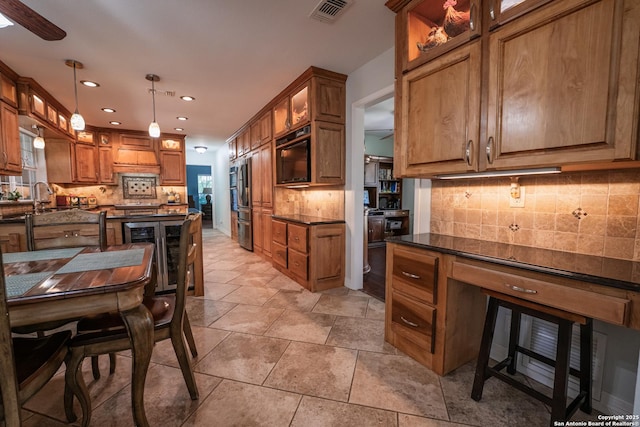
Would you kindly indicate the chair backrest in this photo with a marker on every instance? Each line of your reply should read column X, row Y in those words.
column 9, row 378
column 66, row 229
column 186, row 260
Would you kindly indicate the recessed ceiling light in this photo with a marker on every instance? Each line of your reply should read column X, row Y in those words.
column 182, row 118
column 89, row 83
column 179, row 129
column 115, row 123
column 187, row 98
column 108, row 110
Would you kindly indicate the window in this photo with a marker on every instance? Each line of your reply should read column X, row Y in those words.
column 204, row 188
column 22, row 183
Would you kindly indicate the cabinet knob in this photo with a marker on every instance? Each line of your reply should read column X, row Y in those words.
column 468, row 151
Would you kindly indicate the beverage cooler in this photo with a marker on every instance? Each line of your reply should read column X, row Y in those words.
column 166, row 236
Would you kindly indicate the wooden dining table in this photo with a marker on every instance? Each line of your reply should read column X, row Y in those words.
column 70, row 283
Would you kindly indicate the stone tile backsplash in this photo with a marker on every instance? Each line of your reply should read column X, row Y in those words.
column 593, row 213
column 324, row 202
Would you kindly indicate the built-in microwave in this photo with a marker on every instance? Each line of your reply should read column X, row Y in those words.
column 293, row 162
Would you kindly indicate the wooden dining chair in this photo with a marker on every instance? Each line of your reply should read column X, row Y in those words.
column 66, row 229
column 107, row 334
column 63, row 229
column 26, row 364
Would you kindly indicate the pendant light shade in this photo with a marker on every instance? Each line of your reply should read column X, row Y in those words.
column 38, row 141
column 77, row 121
column 154, row 127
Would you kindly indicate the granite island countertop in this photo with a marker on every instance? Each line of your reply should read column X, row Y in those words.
column 617, row 273
column 308, row 219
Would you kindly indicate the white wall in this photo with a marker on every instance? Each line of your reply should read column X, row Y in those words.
column 365, row 86
column 219, row 162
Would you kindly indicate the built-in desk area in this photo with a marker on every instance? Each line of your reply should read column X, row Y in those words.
column 435, row 307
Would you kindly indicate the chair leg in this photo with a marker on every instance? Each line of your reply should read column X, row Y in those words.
column 485, row 349
column 514, row 340
column 95, row 367
column 179, row 347
column 561, row 377
column 75, row 386
column 188, row 333
column 112, row 363
column 586, row 361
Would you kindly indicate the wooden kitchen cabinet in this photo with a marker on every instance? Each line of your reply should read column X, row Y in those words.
column 244, row 142
column 233, row 153
column 11, row 160
column 555, row 79
column 375, row 229
column 172, row 168
column 260, row 130
column 262, row 199
column 436, row 321
column 106, row 173
column 312, row 255
column 86, row 163
column 292, row 111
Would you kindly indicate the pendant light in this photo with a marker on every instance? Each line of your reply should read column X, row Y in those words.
column 38, row 141
column 77, row 121
column 154, row 128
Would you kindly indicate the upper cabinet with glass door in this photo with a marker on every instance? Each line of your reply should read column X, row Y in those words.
column 433, row 27
column 291, row 111
column 501, row 11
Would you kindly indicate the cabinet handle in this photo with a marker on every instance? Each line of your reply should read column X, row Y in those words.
column 492, row 11
column 472, row 17
column 413, row 276
column 489, row 150
column 519, row 289
column 415, row 325
column 468, row 152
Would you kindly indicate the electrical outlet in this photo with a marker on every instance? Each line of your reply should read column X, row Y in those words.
column 519, row 202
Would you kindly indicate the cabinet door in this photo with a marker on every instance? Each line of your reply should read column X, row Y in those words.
column 440, row 115
column 375, row 229
column 258, row 234
column 10, row 139
column 279, row 232
column 281, row 122
column 105, row 167
column 266, row 170
column 328, row 153
column 139, row 142
column 86, row 167
column 256, row 178
column 329, row 104
column 267, row 236
column 255, row 135
column 502, row 11
column 265, row 128
column 299, row 104
column 555, row 82
column 172, row 168
column 233, row 149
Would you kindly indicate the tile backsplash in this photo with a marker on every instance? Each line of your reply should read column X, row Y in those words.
column 593, row 213
column 324, row 202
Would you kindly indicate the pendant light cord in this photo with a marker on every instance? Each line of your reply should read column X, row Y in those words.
column 153, row 97
column 75, row 85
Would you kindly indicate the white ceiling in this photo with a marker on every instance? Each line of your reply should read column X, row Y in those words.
column 233, row 56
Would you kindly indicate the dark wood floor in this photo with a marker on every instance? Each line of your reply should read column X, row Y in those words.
column 373, row 281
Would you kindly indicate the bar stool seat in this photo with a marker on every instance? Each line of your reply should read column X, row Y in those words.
column 560, row 411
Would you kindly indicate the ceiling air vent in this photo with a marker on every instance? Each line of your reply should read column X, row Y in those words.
column 329, row 10
column 170, row 93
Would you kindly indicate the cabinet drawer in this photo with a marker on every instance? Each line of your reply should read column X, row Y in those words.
column 581, row 301
column 279, row 254
column 415, row 274
column 414, row 321
column 298, row 264
column 297, row 238
column 279, row 232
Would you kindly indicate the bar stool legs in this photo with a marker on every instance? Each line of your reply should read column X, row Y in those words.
column 558, row 402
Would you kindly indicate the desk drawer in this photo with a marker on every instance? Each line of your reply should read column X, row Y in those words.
column 297, row 238
column 414, row 321
column 581, row 301
column 415, row 274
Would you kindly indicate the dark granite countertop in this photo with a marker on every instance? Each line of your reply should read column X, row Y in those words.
column 308, row 219
column 612, row 272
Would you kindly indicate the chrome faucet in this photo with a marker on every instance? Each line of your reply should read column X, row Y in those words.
column 41, row 192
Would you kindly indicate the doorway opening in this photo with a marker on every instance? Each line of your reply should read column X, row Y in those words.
column 200, row 192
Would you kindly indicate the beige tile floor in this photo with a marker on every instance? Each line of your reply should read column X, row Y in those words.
column 273, row 354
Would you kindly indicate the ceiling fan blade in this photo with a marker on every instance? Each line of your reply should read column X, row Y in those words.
column 31, row 20
column 387, row 136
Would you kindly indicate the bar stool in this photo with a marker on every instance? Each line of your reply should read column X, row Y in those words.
column 558, row 402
